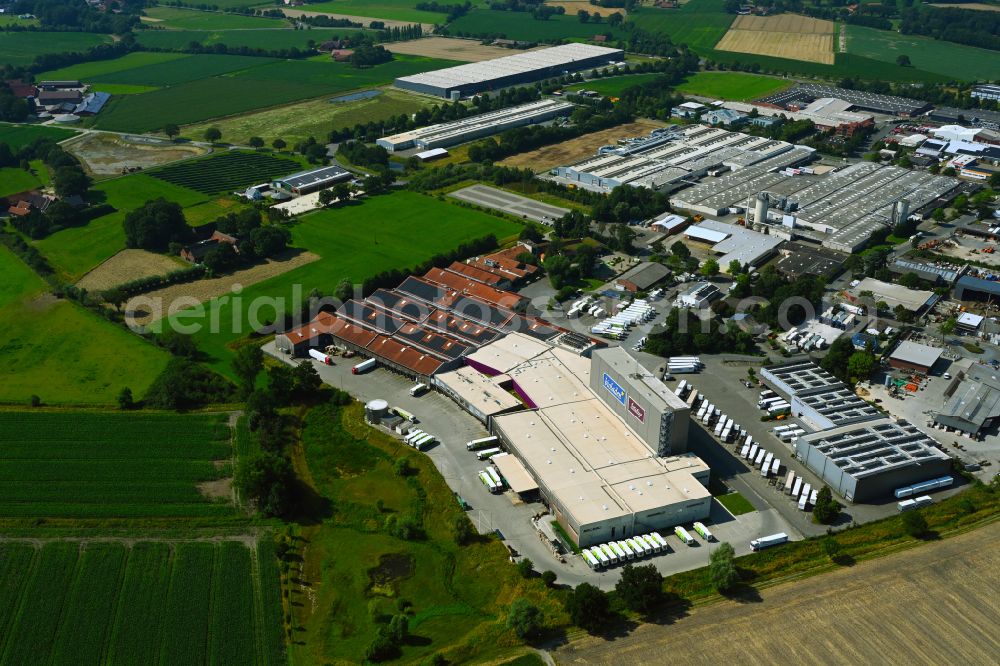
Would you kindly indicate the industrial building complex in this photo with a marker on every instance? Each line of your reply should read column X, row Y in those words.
column 473, row 78
column 473, row 127
column 840, row 209
column 860, row 453
column 673, row 157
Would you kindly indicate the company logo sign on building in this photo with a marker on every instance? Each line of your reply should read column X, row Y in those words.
column 635, row 410
column 614, row 389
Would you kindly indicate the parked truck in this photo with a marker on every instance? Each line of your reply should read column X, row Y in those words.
column 320, row 356
column 768, row 541
column 683, row 535
column 364, row 367
column 703, row 531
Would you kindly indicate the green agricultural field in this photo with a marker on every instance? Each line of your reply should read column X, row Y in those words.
column 731, row 85
column 87, row 71
column 394, row 10
column 519, row 25
column 614, row 85
column 457, row 611
column 87, row 464
column 18, row 136
column 955, row 61
column 846, row 65
column 146, row 603
column 173, row 70
column 59, row 351
column 699, row 23
column 14, row 20
column 176, row 18
column 270, row 85
column 271, row 40
column 21, row 48
column 315, row 118
column 397, row 230
column 225, row 172
column 74, row 251
column 14, row 180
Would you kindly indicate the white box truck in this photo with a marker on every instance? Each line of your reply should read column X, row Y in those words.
column 768, row 541
column 418, row 390
column 482, row 443
column 320, row 356
column 703, row 531
column 660, row 540
column 486, row 454
column 684, row 536
column 591, row 561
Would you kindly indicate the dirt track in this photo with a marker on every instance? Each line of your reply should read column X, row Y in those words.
column 934, row 604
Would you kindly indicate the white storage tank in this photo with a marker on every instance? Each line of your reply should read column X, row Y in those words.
column 375, row 410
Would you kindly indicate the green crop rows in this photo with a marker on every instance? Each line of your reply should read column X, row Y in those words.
column 90, row 607
column 232, row 606
column 136, row 639
column 188, row 605
column 151, row 603
column 36, row 625
column 226, row 172
column 84, row 465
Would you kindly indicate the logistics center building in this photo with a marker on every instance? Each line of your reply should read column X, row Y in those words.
column 473, row 127
column 473, row 78
column 595, row 466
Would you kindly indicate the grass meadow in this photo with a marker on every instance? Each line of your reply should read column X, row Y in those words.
column 699, row 23
column 88, row 71
column 201, row 92
column 360, row 572
column 15, row 179
column 614, row 85
column 357, row 241
column 393, row 10
column 296, row 122
column 519, row 25
column 60, row 352
column 20, row 49
column 269, row 39
column 731, row 85
column 76, row 250
column 18, row 136
column 955, row 61
column 136, row 604
column 177, row 18
column 90, row 464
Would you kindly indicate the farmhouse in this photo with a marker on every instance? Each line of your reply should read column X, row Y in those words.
column 195, row 253
column 473, row 78
column 313, row 180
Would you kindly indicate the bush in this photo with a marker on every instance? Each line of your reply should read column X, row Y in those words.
column 722, row 568
column 524, row 618
column 915, row 524
column 588, row 607
column 549, row 578
column 640, row 587
column 525, row 567
column 827, row 509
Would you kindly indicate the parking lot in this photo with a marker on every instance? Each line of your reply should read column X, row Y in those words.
column 513, row 204
column 441, row 417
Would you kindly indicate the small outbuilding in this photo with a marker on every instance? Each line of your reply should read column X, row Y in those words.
column 915, row 357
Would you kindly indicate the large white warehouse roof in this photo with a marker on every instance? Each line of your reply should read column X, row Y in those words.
column 477, row 72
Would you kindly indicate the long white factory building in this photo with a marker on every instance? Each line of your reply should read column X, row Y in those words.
column 443, row 135
column 672, row 157
column 605, row 452
column 528, row 67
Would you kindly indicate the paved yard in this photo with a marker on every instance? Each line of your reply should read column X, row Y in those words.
column 513, row 204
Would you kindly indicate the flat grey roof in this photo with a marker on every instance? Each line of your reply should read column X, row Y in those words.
column 800, row 378
column 314, row 176
column 874, row 447
column 522, row 63
column 916, row 353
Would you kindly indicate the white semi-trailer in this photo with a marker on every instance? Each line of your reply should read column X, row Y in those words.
column 768, row 541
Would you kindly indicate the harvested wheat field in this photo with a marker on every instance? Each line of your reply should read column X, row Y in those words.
column 126, row 266
column 933, row 604
column 576, row 149
column 784, row 36
column 108, row 154
column 142, row 313
column 573, row 6
column 448, row 48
